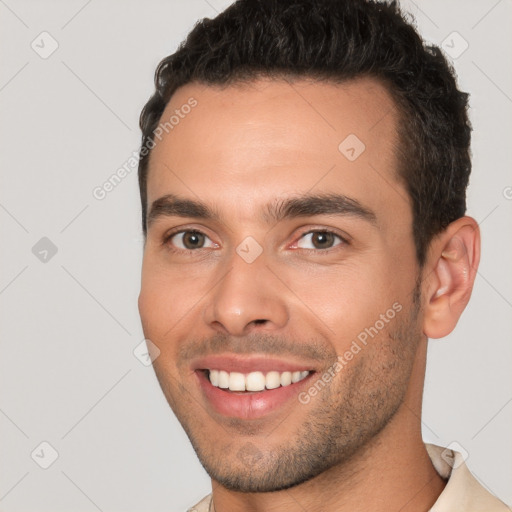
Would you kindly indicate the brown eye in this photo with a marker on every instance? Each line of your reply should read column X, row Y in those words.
column 193, row 240
column 319, row 240
column 190, row 240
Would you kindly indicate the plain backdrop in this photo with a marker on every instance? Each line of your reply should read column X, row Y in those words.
column 70, row 268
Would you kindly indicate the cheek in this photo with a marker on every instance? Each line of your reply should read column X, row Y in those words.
column 168, row 299
column 148, row 311
column 346, row 300
column 157, row 300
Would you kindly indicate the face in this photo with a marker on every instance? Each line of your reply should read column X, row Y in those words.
column 279, row 275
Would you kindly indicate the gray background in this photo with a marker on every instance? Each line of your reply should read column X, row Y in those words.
column 69, row 324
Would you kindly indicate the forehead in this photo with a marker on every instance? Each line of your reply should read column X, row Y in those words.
column 271, row 138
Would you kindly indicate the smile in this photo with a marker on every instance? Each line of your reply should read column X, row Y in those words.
column 251, row 387
column 254, row 381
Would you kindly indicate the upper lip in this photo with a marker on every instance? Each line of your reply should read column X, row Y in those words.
column 246, row 364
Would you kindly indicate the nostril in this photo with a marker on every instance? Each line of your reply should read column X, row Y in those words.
column 259, row 321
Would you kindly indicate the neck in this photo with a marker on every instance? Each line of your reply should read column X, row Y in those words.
column 392, row 472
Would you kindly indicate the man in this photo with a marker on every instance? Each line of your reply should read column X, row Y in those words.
column 303, row 173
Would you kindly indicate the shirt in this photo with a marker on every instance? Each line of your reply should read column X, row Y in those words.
column 462, row 493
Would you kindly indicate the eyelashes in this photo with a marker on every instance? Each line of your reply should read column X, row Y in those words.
column 189, row 241
column 324, row 235
column 195, row 236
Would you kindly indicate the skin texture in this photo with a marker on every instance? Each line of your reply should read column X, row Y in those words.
column 356, row 445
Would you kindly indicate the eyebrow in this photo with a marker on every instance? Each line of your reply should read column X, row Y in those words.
column 171, row 205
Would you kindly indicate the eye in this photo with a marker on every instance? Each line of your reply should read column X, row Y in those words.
column 319, row 240
column 189, row 240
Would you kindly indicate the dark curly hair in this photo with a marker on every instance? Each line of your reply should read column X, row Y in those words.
column 338, row 40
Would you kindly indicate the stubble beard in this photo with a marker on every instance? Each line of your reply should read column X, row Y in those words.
column 334, row 428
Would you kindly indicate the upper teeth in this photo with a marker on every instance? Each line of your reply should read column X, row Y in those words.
column 254, row 381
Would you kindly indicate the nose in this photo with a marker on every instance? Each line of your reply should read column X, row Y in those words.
column 248, row 297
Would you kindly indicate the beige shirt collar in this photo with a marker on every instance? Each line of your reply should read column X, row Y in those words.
column 463, row 493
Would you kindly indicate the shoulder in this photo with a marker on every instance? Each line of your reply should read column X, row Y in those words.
column 463, row 492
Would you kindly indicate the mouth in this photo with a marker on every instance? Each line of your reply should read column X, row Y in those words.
column 254, row 381
column 250, row 389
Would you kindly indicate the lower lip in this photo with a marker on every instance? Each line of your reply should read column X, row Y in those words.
column 250, row 404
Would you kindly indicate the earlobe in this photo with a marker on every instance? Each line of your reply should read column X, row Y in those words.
column 454, row 257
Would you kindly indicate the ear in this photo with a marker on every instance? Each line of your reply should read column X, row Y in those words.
column 453, row 262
